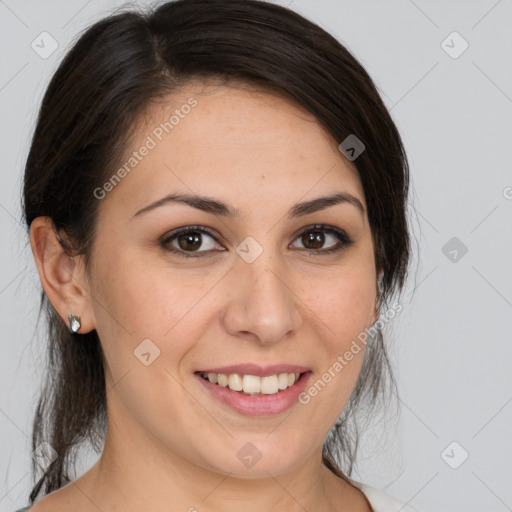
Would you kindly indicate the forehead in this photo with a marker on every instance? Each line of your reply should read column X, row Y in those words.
column 240, row 144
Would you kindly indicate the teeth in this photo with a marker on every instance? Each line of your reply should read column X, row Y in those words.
column 222, row 380
column 252, row 384
column 269, row 385
column 235, row 382
column 283, row 381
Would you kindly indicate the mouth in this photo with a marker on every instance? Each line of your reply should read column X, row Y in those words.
column 252, row 390
column 253, row 385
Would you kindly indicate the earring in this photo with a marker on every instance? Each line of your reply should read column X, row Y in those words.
column 74, row 323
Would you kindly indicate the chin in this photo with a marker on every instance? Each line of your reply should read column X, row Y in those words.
column 258, row 458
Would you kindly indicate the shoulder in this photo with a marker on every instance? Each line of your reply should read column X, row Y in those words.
column 47, row 503
column 380, row 500
column 67, row 497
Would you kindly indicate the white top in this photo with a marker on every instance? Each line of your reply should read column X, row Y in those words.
column 381, row 501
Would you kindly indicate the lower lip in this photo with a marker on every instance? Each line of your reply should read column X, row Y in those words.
column 269, row 405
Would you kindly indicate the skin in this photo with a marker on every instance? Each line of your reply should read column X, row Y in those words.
column 170, row 445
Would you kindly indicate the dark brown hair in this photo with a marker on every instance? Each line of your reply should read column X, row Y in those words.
column 115, row 70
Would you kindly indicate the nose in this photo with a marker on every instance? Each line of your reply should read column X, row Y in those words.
column 262, row 305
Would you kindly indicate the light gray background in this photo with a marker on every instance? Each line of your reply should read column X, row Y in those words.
column 452, row 343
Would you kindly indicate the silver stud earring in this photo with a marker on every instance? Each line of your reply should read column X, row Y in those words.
column 74, row 323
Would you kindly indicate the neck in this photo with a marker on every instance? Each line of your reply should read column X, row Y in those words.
column 135, row 475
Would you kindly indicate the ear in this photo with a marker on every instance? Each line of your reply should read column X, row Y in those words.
column 62, row 276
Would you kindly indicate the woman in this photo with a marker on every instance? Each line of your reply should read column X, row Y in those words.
column 216, row 201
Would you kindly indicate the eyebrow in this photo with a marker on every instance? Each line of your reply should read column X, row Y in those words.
column 209, row 205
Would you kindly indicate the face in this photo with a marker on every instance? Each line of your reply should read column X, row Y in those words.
column 219, row 276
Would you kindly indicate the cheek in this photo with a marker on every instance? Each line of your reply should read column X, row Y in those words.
column 346, row 311
column 138, row 300
column 134, row 294
column 346, row 305
column 345, row 308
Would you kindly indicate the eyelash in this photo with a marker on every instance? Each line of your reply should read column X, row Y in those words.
column 344, row 240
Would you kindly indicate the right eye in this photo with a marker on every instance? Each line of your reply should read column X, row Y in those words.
column 188, row 240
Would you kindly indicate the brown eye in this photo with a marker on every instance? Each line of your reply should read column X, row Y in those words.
column 316, row 237
column 189, row 241
column 313, row 240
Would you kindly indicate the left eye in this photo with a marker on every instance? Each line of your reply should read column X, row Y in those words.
column 190, row 240
column 316, row 238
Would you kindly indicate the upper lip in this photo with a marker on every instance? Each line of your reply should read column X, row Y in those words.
column 259, row 371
